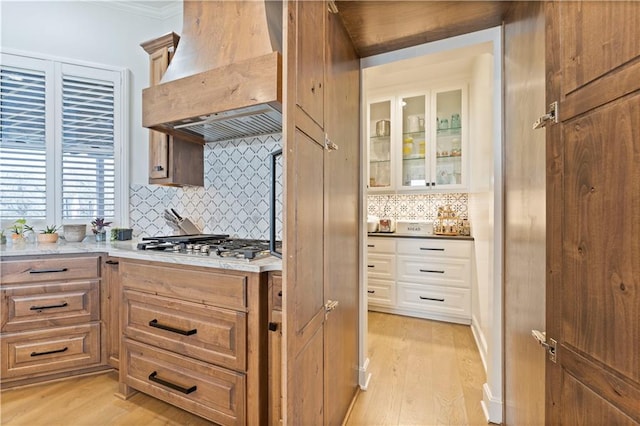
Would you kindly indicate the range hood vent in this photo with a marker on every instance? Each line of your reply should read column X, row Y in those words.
column 225, row 78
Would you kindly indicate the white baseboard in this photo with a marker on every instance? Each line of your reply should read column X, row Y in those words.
column 364, row 376
column 491, row 406
column 481, row 341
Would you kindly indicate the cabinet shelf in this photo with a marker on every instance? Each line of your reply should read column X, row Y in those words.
column 379, row 161
column 419, row 133
column 380, row 138
column 451, row 131
column 413, row 158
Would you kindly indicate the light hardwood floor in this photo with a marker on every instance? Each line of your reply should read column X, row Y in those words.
column 422, row 373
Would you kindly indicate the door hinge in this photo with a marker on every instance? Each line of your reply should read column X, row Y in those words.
column 330, row 306
column 550, row 117
column 550, row 346
column 328, row 144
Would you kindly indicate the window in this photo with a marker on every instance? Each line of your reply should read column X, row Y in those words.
column 61, row 141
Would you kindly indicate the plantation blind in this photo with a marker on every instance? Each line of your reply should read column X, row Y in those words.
column 88, row 169
column 23, row 132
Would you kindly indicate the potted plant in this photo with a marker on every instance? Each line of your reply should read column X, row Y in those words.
column 20, row 229
column 3, row 238
column 98, row 227
column 121, row 234
column 48, row 234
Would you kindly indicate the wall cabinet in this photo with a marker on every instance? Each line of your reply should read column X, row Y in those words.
column 417, row 141
column 172, row 161
column 195, row 338
column 426, row 278
column 51, row 322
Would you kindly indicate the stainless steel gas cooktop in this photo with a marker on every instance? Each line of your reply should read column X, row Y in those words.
column 217, row 245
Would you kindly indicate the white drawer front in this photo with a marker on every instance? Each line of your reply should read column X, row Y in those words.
column 435, row 299
column 435, row 248
column 381, row 245
column 382, row 266
column 381, row 292
column 450, row 272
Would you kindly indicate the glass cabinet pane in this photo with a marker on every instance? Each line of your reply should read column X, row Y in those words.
column 449, row 138
column 414, row 143
column 380, row 145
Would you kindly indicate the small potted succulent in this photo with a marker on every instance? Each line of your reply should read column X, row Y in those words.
column 48, row 235
column 121, row 234
column 20, row 229
column 98, row 227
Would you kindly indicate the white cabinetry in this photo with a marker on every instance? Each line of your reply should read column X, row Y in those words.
column 417, row 141
column 431, row 279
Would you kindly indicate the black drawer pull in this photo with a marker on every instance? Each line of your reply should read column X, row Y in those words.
column 431, row 298
column 431, row 249
column 434, row 271
column 371, row 245
column 280, row 293
column 47, row 271
column 154, row 378
column 112, row 262
column 154, row 323
column 56, row 351
column 371, row 291
column 39, row 308
column 273, row 326
column 371, row 266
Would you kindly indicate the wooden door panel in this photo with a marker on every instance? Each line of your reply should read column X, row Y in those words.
column 599, row 38
column 601, row 246
column 310, row 60
column 591, row 409
column 306, row 389
column 593, row 213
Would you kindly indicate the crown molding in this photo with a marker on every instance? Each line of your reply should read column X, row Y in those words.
column 148, row 8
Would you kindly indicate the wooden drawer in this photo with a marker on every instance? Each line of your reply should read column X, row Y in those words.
column 214, row 393
column 434, row 299
column 204, row 332
column 435, row 248
column 381, row 266
column 448, row 272
column 35, row 353
column 30, row 306
column 381, row 245
column 381, row 293
column 224, row 289
column 49, row 269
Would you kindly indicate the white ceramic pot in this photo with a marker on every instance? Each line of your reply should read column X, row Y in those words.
column 74, row 233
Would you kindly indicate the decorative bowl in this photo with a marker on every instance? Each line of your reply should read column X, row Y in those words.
column 74, row 233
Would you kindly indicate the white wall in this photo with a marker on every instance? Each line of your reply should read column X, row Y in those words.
column 91, row 32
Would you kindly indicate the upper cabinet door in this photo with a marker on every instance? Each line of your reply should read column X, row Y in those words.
column 310, row 47
column 414, row 163
column 381, row 155
column 449, row 135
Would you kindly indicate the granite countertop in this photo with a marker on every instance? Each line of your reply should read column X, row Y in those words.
column 430, row 236
column 127, row 249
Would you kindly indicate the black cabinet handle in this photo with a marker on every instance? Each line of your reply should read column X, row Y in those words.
column 371, row 266
column 154, row 323
column 280, row 293
column 371, row 245
column 431, row 298
column 158, row 168
column 431, row 249
column 371, row 291
column 39, row 308
column 56, row 351
column 154, row 378
column 273, row 326
column 47, row 271
column 433, row 271
column 112, row 262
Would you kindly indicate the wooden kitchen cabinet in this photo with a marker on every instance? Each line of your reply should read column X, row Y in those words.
column 172, row 161
column 420, row 277
column 51, row 322
column 110, row 301
column 275, row 348
column 196, row 338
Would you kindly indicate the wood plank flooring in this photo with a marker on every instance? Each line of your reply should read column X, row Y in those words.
column 423, row 373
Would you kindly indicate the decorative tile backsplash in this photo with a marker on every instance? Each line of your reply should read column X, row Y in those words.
column 234, row 200
column 416, row 206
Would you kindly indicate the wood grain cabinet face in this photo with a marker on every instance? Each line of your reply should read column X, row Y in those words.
column 51, row 318
column 172, row 161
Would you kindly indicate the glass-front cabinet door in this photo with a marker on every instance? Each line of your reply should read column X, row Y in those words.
column 380, row 154
column 449, row 147
column 414, row 164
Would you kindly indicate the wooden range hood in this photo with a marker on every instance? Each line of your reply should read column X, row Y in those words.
column 225, row 78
